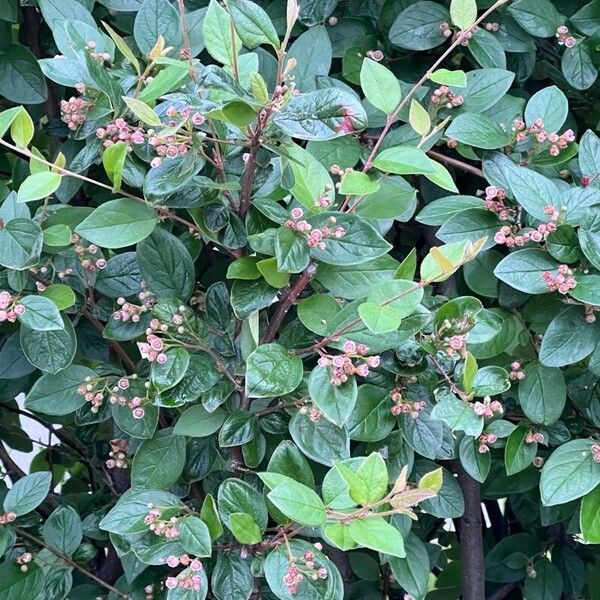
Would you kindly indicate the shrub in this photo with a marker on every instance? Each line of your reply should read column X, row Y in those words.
column 293, row 288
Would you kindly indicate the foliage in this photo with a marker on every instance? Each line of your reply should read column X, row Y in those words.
column 275, row 273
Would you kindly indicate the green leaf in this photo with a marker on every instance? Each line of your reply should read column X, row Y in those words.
column 475, row 463
column 359, row 184
column 49, row 351
column 377, row 534
column 336, row 402
column 21, row 78
column 568, row 339
column 538, row 17
column 7, row 117
column 490, row 381
column 589, row 236
column 299, row 503
column 458, row 415
column 380, row 86
column 412, row 572
column 195, row 536
column 244, row 529
column 321, row 115
column 118, row 223
column 21, row 128
column 57, row 235
column 479, row 131
column 463, row 13
column 547, row 583
column 312, row 52
column 445, row 77
column 156, row 18
column 217, row 27
column 524, row 269
column 63, row 530
column 21, row 243
column 56, row 394
column 550, row 105
column 28, row 493
column 113, row 159
column 168, row 79
column 271, row 371
column 404, row 160
column 41, row 314
column 38, row 186
column 369, row 483
column 252, row 24
column 417, row 27
column 166, row 265
column 62, row 295
column 589, row 517
column 170, row 373
column 543, row 393
column 569, row 473
column 196, row 421
column 518, row 454
column 158, row 462
column 419, row 118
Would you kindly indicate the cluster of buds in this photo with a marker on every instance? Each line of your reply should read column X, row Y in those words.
column 590, row 313
column 163, row 528
column 149, row 592
column 133, row 312
column 23, row 560
column 301, row 568
column 516, row 373
column 64, row 273
column 93, row 390
column 376, row 55
column 314, row 414
column 537, row 132
column 491, row 26
column 315, row 238
column 564, row 38
column 455, row 343
column 563, row 282
column 405, row 407
column 152, row 349
column 443, row 97
column 484, row 440
column 8, row 517
column 120, row 131
column 135, row 403
column 534, row 437
column 117, row 454
column 170, row 146
column 596, row 452
column 193, row 563
column 342, row 365
column 488, row 408
column 445, row 29
column 99, row 56
column 186, row 580
column 88, row 255
column 10, row 309
column 74, row 111
column 494, row 201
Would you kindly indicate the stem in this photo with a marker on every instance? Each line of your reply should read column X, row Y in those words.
column 392, row 117
column 458, row 164
column 451, row 383
column 71, row 563
column 471, row 539
column 186, row 37
column 284, row 306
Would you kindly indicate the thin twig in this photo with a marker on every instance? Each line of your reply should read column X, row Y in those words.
column 458, row 164
column 71, row 563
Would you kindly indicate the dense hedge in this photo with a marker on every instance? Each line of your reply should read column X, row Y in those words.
column 296, row 291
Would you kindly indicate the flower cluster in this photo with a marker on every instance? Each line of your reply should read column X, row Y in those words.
column 99, row 56
column 93, row 390
column 23, row 560
column 484, row 440
column 516, row 373
column 74, row 111
column 117, row 454
column 534, row 436
column 590, row 313
column 133, row 311
column 135, row 404
column 491, row 26
column 187, row 579
column 10, row 309
column 376, row 55
column 596, row 452
column 488, row 408
column 301, row 568
column 564, row 38
column 342, row 365
column 173, row 145
column 562, row 282
column 445, row 29
column 120, row 131
column 88, row 255
column 537, row 132
column 8, row 517
column 444, row 97
column 163, row 528
column 314, row 414
column 406, row 407
column 152, row 349
column 315, row 238
column 494, row 202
